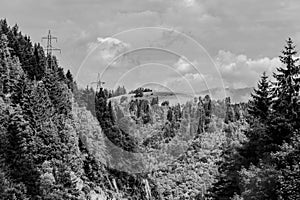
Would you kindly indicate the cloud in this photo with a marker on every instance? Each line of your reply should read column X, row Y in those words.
column 108, row 48
column 189, row 83
column 194, row 77
column 241, row 71
column 183, row 66
column 189, row 3
column 259, row 30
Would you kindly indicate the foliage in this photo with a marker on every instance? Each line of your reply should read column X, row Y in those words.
column 52, row 147
column 260, row 104
column 165, row 103
column 266, row 166
column 119, row 91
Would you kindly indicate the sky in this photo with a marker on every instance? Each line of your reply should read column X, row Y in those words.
column 183, row 45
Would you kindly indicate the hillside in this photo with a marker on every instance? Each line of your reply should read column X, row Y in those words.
column 180, row 152
column 58, row 141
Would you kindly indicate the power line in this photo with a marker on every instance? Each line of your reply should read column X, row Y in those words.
column 49, row 47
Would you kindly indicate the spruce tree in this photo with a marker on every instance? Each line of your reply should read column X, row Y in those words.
column 4, row 28
column 38, row 63
column 201, row 123
column 287, row 79
column 70, row 80
column 208, row 110
column 261, row 101
column 57, row 90
column 170, row 114
column 229, row 117
column 285, row 118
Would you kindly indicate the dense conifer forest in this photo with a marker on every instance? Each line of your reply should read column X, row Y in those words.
column 57, row 141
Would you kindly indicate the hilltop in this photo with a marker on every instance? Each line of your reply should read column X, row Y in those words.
column 236, row 95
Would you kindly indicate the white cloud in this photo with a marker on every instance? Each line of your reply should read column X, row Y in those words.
column 183, row 66
column 108, row 48
column 215, row 24
column 109, row 40
column 241, row 71
column 189, row 3
column 194, row 77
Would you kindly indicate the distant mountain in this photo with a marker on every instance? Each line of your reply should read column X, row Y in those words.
column 236, row 95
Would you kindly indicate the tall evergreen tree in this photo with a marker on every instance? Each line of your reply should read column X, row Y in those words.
column 208, row 110
column 57, row 90
column 229, row 117
column 4, row 28
column 70, row 80
column 38, row 63
column 201, row 123
column 259, row 106
column 285, row 117
column 20, row 154
column 287, row 80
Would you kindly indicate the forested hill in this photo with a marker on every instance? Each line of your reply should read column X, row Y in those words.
column 58, row 141
column 50, row 148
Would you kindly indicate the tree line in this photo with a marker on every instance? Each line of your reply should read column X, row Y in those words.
column 266, row 165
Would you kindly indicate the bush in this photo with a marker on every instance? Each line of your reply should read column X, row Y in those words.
column 165, row 103
column 138, row 93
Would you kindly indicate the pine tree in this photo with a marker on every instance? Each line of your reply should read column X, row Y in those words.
column 229, row 117
column 70, row 80
column 12, row 77
column 38, row 63
column 119, row 91
column 20, row 154
column 170, row 115
column 285, row 117
column 208, row 110
column 4, row 28
column 4, row 56
column 201, row 123
column 101, row 108
column 57, row 90
column 259, row 106
column 177, row 112
column 287, row 81
column 36, row 104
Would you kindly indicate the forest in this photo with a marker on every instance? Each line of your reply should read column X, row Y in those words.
column 60, row 141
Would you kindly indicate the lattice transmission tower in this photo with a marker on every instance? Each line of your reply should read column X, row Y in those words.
column 49, row 49
column 99, row 83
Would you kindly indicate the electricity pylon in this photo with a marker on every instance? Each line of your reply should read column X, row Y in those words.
column 49, row 47
column 98, row 82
